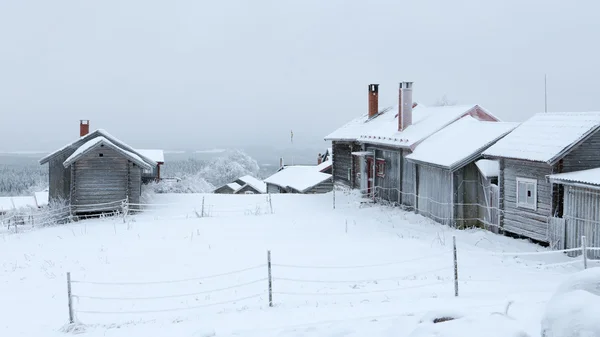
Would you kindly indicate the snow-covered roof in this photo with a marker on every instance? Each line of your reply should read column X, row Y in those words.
column 91, row 135
column 41, row 198
column 155, row 155
column 100, row 140
column 590, row 177
column 258, row 185
column 546, row 137
column 234, row 186
column 459, row 143
column 324, row 165
column 300, row 178
column 488, row 168
column 383, row 128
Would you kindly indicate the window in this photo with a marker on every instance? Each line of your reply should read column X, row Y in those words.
column 100, row 154
column 527, row 193
column 380, row 168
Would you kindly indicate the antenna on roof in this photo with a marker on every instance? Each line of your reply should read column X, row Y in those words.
column 545, row 95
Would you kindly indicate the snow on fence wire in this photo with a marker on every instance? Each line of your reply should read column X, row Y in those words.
column 31, row 218
column 277, row 283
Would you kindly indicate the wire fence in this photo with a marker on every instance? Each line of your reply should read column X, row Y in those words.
column 449, row 273
column 19, row 220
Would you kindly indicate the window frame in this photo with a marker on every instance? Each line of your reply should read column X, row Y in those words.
column 528, row 182
column 380, row 167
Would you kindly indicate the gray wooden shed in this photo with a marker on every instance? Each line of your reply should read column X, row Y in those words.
column 546, row 144
column 449, row 184
column 95, row 173
column 581, row 215
column 299, row 179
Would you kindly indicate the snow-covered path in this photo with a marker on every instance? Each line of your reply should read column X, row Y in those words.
column 352, row 271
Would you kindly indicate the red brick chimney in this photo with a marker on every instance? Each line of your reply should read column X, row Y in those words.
column 84, row 127
column 319, row 159
column 405, row 105
column 373, row 99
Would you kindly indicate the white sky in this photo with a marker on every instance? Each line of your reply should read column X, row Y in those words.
column 200, row 74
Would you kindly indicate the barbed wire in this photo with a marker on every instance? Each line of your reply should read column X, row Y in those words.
column 363, row 280
column 171, row 296
column 170, row 309
column 360, row 292
column 173, row 281
column 359, row 266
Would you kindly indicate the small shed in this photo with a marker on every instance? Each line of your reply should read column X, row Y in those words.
column 448, row 183
column 299, row 179
column 96, row 172
column 581, row 213
column 546, row 144
column 157, row 156
column 250, row 185
column 230, row 188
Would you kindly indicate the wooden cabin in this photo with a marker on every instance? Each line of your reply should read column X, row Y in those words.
column 157, row 156
column 250, row 185
column 449, row 186
column 370, row 152
column 299, row 179
column 96, row 172
column 229, row 188
column 546, row 144
column 581, row 214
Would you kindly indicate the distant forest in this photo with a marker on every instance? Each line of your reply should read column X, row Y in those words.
column 22, row 179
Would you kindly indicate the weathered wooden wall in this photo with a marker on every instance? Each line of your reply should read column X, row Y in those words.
column 582, row 216
column 223, row 190
column 388, row 187
column 435, row 194
column 247, row 188
column 273, row 188
column 342, row 163
column 59, row 178
column 523, row 221
column 585, row 156
column 324, row 187
column 409, row 182
column 469, row 196
column 106, row 179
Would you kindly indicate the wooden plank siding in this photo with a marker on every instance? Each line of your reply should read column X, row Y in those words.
column 388, row 187
column 342, row 163
column 409, row 182
column 324, row 187
column 59, row 178
column 582, row 216
column 468, row 196
column 273, row 188
column 435, row 194
column 522, row 221
column 585, row 156
column 104, row 179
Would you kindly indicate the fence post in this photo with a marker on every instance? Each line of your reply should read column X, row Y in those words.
column 333, row 189
column 455, row 267
column 71, row 319
column 584, row 251
column 125, row 208
column 270, row 278
column 270, row 203
column 202, row 214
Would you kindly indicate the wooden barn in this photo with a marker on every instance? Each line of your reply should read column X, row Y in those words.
column 449, row 186
column 546, row 144
column 299, row 179
column 370, row 152
column 581, row 214
column 96, row 172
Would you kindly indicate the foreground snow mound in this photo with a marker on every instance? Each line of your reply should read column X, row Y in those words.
column 574, row 309
column 489, row 325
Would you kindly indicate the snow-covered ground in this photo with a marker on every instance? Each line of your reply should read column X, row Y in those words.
column 353, row 271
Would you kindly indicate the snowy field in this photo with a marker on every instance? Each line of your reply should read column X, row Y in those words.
column 352, row 271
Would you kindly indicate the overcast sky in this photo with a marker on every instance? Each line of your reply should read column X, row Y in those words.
column 202, row 74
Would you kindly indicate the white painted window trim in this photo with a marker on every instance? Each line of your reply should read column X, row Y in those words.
column 524, row 204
